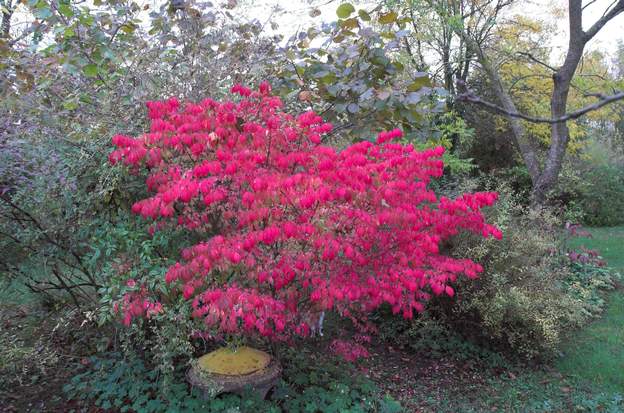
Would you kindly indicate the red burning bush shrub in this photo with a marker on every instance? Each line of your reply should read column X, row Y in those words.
column 294, row 228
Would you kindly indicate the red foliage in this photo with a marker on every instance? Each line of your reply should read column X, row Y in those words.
column 348, row 350
column 292, row 227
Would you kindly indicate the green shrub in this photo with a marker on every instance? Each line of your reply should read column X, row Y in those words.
column 530, row 293
column 587, row 283
column 588, row 191
column 591, row 191
column 53, row 218
column 602, row 195
column 428, row 335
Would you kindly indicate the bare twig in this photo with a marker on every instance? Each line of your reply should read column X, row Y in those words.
column 27, row 32
column 603, row 100
column 589, row 4
column 536, row 60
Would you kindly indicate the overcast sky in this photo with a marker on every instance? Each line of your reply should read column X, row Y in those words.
column 606, row 39
column 293, row 14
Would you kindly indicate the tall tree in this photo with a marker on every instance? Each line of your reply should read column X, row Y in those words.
column 544, row 176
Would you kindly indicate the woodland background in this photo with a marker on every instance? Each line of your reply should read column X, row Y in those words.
column 520, row 110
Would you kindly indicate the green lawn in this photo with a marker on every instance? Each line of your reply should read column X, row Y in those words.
column 609, row 241
column 596, row 353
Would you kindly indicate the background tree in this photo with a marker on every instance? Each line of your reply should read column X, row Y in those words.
column 434, row 44
column 544, row 176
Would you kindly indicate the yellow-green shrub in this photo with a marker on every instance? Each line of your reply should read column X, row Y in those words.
column 530, row 294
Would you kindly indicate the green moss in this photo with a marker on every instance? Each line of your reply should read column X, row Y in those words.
column 234, row 362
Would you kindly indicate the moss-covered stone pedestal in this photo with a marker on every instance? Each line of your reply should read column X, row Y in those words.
column 231, row 370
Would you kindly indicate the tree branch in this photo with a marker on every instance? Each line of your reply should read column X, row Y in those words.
column 609, row 14
column 603, row 101
column 47, row 236
column 536, row 60
column 27, row 32
column 589, row 4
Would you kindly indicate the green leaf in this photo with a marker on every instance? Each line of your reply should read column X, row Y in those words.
column 128, row 28
column 65, row 10
column 320, row 74
column 345, row 10
column 334, row 89
column 351, row 23
column 42, row 12
column 87, row 99
column 86, row 19
column 413, row 98
column 90, row 70
column 364, row 16
column 388, row 18
column 70, row 105
column 340, row 107
column 419, row 83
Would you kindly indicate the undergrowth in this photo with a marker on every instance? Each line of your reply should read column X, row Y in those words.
column 309, row 384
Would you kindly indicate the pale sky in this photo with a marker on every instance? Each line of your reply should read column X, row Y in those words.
column 292, row 15
column 605, row 40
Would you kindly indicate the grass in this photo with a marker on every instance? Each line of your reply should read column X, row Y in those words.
column 596, row 353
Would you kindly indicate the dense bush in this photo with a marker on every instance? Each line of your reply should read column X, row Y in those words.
column 264, row 244
column 523, row 300
column 291, row 228
column 429, row 335
column 601, row 195
column 51, row 216
column 591, row 186
column 588, row 192
column 62, row 100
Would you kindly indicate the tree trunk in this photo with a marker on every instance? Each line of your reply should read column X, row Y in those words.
column 5, row 26
column 517, row 128
column 559, row 133
column 449, row 84
column 544, row 179
column 559, row 137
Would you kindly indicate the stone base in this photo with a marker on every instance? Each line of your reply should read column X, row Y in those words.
column 212, row 384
